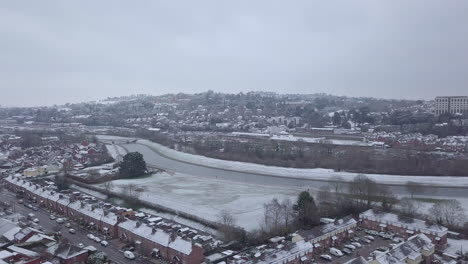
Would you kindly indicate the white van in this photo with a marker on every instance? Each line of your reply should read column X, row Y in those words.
column 129, row 255
column 336, row 252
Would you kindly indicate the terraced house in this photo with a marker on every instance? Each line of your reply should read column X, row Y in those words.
column 404, row 227
column 151, row 235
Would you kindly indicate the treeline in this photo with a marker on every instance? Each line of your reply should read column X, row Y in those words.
column 313, row 155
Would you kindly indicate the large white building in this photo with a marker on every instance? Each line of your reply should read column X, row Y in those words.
column 451, row 104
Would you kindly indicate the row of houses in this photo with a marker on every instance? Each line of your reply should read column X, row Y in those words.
column 150, row 235
column 422, row 239
column 300, row 247
column 422, row 142
column 417, row 249
column 404, row 227
column 21, row 244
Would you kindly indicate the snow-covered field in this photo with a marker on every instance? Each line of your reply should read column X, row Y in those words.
column 115, row 151
column 207, row 197
column 319, row 174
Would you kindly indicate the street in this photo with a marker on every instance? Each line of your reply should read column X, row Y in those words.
column 112, row 251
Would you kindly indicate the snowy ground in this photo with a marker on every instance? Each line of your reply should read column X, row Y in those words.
column 456, row 245
column 319, row 174
column 206, row 198
column 115, row 151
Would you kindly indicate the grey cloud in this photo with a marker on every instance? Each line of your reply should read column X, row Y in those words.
column 64, row 51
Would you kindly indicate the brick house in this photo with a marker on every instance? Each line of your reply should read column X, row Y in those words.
column 68, row 254
column 328, row 235
column 404, row 226
column 167, row 244
column 284, row 252
column 419, row 249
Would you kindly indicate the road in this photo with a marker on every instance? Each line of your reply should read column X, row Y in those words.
column 155, row 159
column 112, row 251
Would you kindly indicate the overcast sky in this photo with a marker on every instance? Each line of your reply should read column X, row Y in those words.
column 53, row 52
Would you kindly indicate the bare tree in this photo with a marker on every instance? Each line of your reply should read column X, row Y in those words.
column 450, row 213
column 337, row 183
column 278, row 216
column 227, row 227
column 364, row 191
column 225, row 217
column 108, row 187
column 409, row 207
column 387, row 198
column 414, row 188
column 326, row 200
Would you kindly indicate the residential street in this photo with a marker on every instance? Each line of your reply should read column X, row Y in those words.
column 112, row 251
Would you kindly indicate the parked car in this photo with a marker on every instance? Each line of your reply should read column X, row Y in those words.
column 370, row 237
column 336, row 252
column 31, row 216
column 36, row 220
column 356, row 244
column 80, row 245
column 91, row 236
column 346, row 251
column 97, row 239
column 20, row 201
column 60, row 221
column 397, row 239
column 365, row 240
column 326, row 257
column 72, row 231
column 34, row 208
column 29, row 206
column 52, row 217
column 383, row 249
column 351, row 247
column 67, row 225
column 104, row 243
column 130, row 255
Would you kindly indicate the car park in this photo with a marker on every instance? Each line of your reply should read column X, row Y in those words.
column 326, row 257
column 130, row 255
column 336, row 252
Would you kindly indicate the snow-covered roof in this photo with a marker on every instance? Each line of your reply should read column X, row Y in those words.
column 158, row 236
column 411, row 249
column 405, row 222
